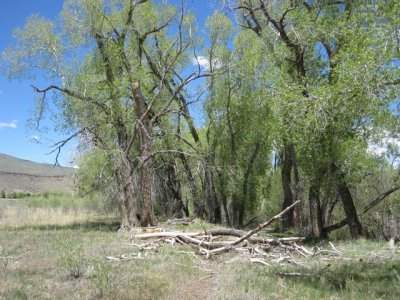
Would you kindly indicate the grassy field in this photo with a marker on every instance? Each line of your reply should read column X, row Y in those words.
column 59, row 251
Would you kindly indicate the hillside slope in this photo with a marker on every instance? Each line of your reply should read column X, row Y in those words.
column 22, row 175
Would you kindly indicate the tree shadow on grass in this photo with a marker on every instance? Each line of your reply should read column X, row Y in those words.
column 379, row 279
column 103, row 224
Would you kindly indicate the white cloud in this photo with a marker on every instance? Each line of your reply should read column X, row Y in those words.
column 204, row 62
column 12, row 124
column 34, row 138
column 385, row 147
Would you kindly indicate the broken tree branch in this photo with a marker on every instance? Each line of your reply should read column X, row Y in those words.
column 262, row 226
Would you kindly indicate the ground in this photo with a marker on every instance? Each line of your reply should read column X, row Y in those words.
column 65, row 254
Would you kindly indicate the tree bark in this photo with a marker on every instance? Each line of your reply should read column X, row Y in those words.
column 315, row 209
column 348, row 203
column 350, row 210
column 144, row 132
column 127, row 197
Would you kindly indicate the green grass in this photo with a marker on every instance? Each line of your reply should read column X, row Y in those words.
column 66, row 201
column 61, row 260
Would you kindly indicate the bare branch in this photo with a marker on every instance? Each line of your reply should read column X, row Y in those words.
column 59, row 145
column 73, row 94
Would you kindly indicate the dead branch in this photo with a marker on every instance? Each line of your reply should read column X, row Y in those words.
column 262, row 226
column 259, row 261
column 125, row 257
column 294, row 274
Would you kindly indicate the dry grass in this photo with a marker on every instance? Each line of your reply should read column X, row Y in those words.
column 18, row 216
column 56, row 254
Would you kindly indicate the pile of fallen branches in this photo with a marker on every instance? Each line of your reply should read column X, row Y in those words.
column 209, row 242
column 248, row 246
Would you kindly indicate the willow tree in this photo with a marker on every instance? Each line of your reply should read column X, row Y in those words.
column 335, row 80
column 238, row 116
column 113, row 68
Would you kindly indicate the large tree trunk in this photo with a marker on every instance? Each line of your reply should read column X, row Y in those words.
column 123, row 212
column 348, row 203
column 144, row 132
column 127, row 197
column 350, row 210
column 146, row 182
column 131, row 201
column 315, row 209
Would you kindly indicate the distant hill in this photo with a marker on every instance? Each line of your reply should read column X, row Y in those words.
column 23, row 175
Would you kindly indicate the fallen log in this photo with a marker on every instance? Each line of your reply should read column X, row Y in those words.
column 165, row 234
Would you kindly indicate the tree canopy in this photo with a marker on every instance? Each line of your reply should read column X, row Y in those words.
column 295, row 94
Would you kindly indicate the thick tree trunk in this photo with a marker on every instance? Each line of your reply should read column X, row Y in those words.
column 127, row 197
column 350, row 210
column 348, row 203
column 144, row 132
column 131, row 201
column 123, row 212
column 146, row 182
column 315, row 209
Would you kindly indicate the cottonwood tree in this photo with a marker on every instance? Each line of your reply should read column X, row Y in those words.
column 115, row 69
column 238, row 113
column 334, row 75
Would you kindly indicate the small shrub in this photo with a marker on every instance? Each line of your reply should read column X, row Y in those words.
column 3, row 194
column 100, row 272
column 72, row 259
column 16, row 195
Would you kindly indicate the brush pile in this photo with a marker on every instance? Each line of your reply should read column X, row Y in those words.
column 213, row 242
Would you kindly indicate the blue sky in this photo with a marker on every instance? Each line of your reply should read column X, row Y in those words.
column 17, row 99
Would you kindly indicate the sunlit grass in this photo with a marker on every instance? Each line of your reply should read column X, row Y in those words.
column 51, row 251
